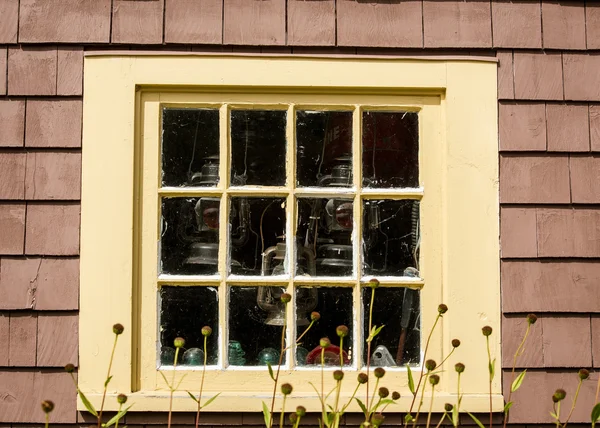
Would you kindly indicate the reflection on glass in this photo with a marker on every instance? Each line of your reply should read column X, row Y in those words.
column 390, row 149
column 253, row 341
column 183, row 313
column 190, row 147
column 324, row 148
column 256, row 236
column 189, row 241
column 258, row 145
column 398, row 343
column 324, row 237
column 391, row 237
column 335, row 307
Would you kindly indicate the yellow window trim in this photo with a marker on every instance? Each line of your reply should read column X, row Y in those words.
column 457, row 105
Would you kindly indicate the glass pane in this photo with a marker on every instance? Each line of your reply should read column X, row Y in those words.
column 391, row 237
column 324, row 148
column 256, row 236
column 397, row 343
column 258, row 147
column 190, row 147
column 255, row 323
column 390, row 149
column 324, row 235
column 189, row 240
column 335, row 307
column 183, row 313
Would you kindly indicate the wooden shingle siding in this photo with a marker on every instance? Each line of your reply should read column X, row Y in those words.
column 549, row 143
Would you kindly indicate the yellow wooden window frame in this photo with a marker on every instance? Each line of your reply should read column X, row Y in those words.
column 456, row 101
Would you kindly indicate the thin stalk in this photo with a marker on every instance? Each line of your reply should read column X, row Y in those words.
column 305, row 331
column 446, row 359
column 368, row 344
column 444, row 416
column 117, row 422
column 341, row 352
column 112, row 356
column 351, row 398
column 297, row 423
column 458, row 400
column 172, row 387
column 412, row 404
column 281, row 415
column 337, row 395
column 281, row 352
column 597, row 390
column 421, row 400
column 574, row 402
column 430, row 406
column 201, row 384
column 557, row 414
column 47, row 420
column 373, row 398
column 487, row 341
column 512, row 373
column 323, row 381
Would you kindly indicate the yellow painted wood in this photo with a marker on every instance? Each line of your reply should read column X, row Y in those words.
column 458, row 189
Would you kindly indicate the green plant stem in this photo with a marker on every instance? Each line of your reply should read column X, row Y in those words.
column 351, row 398
column 430, row 406
column 421, row 400
column 574, row 403
column 337, row 395
column 444, row 416
column 112, row 356
column 172, row 387
column 518, row 353
column 458, row 400
column 305, row 331
column 557, row 412
column 201, row 384
column 323, row 381
column 368, row 345
column 487, row 341
column 412, row 404
column 47, row 420
column 371, row 410
column 297, row 423
column 281, row 415
column 597, row 390
column 119, row 411
column 341, row 353
column 446, row 359
column 281, row 352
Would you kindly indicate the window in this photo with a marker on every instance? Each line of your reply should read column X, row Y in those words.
column 208, row 192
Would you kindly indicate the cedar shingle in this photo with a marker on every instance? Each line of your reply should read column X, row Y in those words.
column 12, row 175
column 522, row 126
column 69, row 74
column 3, row 69
column 506, row 81
column 534, row 179
column 592, row 27
column 32, row 70
column 52, row 229
column 57, row 339
column 538, row 76
column 582, row 80
column 12, row 228
column 595, row 340
column 194, row 21
column 53, row 123
column 4, row 334
column 64, row 21
column 254, row 22
column 311, row 23
column 567, row 128
column 12, row 122
column 565, row 286
column 53, row 175
column 585, row 179
column 513, row 331
column 380, row 24
column 23, row 339
column 9, row 21
column 563, row 24
column 567, row 341
column 518, row 232
column 457, row 24
column 595, row 128
column 566, row 232
column 137, row 22
column 39, row 284
column 516, row 24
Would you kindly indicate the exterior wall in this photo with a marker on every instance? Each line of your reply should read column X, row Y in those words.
column 549, row 118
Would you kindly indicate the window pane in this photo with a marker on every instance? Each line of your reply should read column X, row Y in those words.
column 255, row 323
column 189, row 241
column 397, row 343
column 258, row 145
column 391, row 237
column 190, row 147
column 390, row 149
column 183, row 313
column 324, row 234
column 335, row 307
column 324, row 148
column 256, row 230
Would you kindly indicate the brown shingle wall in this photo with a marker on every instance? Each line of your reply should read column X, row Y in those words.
column 549, row 143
